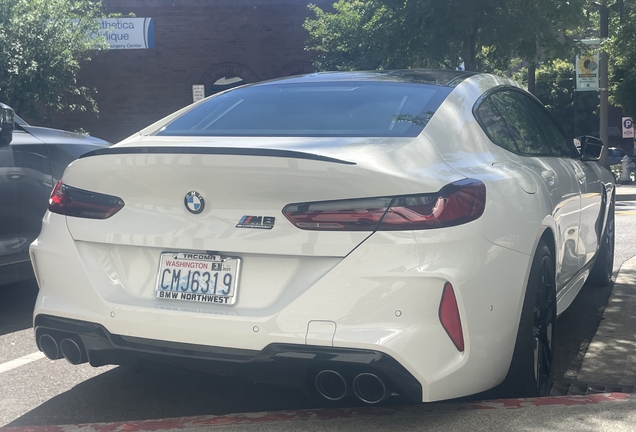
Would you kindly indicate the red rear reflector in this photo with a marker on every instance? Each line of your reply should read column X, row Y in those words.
column 449, row 317
column 70, row 201
column 455, row 204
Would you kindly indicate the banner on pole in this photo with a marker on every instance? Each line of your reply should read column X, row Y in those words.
column 587, row 67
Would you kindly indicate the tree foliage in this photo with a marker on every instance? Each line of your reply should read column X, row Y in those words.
column 576, row 112
column 42, row 46
column 622, row 50
column 481, row 34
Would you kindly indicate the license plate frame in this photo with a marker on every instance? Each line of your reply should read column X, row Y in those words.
column 216, row 281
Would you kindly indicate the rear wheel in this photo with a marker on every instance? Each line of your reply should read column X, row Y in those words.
column 601, row 273
column 530, row 369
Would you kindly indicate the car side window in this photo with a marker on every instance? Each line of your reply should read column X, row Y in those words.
column 530, row 141
column 495, row 126
column 556, row 140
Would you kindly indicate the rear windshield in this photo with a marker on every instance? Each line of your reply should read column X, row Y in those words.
column 359, row 109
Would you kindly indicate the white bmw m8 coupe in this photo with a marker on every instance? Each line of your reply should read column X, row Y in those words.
column 352, row 233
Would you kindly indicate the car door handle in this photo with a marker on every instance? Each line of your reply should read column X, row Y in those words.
column 549, row 176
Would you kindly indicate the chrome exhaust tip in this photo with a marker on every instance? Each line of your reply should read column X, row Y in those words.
column 331, row 385
column 72, row 351
column 48, row 345
column 370, row 388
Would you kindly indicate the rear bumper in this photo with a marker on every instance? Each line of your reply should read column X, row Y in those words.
column 384, row 298
column 282, row 364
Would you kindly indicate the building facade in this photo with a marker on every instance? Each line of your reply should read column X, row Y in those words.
column 214, row 43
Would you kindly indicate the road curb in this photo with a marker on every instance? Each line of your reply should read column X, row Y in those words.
column 325, row 414
column 626, row 197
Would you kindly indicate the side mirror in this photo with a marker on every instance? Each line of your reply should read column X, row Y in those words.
column 7, row 124
column 590, row 147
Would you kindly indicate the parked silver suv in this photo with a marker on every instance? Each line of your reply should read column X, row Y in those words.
column 32, row 159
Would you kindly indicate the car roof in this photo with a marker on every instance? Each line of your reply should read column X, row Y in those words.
column 441, row 77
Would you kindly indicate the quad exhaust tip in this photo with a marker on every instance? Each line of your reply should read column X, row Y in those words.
column 367, row 387
column 49, row 346
column 72, row 351
column 70, row 348
column 370, row 388
column 331, row 385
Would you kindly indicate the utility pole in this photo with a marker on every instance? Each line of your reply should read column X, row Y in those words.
column 604, row 108
column 604, row 80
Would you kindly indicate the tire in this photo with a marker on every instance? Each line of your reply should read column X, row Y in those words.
column 601, row 273
column 531, row 366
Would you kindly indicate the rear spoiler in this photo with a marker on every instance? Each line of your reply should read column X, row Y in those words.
column 238, row 151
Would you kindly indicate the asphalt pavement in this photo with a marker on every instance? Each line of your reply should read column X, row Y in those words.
column 600, row 399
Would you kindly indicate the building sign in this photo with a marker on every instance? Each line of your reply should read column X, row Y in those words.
column 587, row 68
column 127, row 33
column 198, row 92
column 628, row 127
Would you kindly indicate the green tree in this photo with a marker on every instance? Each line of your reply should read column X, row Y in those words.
column 539, row 31
column 43, row 44
column 481, row 34
column 576, row 112
column 622, row 51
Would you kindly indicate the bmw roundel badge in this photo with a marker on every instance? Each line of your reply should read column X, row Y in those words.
column 194, row 202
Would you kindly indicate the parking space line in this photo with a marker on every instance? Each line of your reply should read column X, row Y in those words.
column 5, row 367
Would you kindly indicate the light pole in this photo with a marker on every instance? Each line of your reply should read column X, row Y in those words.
column 604, row 81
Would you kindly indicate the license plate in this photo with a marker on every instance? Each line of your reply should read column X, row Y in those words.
column 198, row 277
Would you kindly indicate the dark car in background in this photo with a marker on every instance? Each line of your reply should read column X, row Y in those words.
column 32, row 159
column 615, row 155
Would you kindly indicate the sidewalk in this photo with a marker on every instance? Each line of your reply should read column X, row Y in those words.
column 611, row 356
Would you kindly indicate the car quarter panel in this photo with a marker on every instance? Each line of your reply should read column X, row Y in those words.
column 561, row 193
column 516, row 201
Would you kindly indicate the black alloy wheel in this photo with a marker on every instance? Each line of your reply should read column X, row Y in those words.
column 601, row 273
column 531, row 365
column 543, row 330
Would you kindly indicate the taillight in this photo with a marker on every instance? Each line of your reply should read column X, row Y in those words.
column 70, row 201
column 346, row 215
column 455, row 204
column 449, row 317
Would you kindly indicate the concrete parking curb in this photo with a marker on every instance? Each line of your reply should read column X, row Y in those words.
column 313, row 416
column 626, row 192
column 625, row 197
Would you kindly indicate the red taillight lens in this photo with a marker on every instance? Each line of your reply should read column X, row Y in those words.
column 449, row 317
column 455, row 204
column 345, row 215
column 70, row 201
